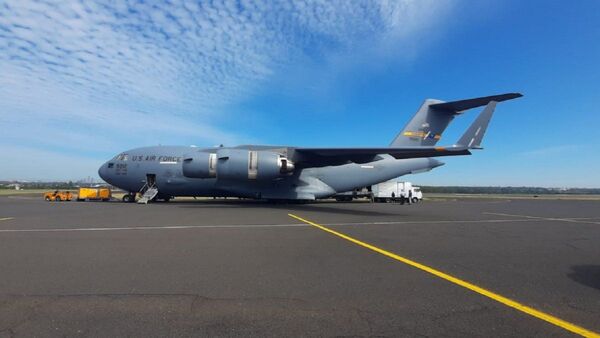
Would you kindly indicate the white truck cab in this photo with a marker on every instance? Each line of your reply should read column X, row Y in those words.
column 417, row 194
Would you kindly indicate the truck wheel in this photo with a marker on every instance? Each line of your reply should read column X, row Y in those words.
column 47, row 199
column 415, row 200
column 57, row 199
column 127, row 198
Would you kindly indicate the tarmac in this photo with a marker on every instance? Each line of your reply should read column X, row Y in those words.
column 457, row 267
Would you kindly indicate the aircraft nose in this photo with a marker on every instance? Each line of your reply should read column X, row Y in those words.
column 433, row 163
column 102, row 172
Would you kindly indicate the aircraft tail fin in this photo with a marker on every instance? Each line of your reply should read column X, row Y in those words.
column 425, row 128
column 434, row 116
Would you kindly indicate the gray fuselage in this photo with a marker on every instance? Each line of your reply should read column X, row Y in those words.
column 132, row 169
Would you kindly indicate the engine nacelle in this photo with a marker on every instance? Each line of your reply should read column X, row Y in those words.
column 243, row 164
column 200, row 165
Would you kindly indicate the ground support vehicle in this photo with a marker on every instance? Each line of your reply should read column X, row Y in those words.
column 395, row 191
column 57, row 196
column 94, row 194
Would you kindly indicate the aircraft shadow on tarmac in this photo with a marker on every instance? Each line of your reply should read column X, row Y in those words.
column 588, row 275
column 326, row 207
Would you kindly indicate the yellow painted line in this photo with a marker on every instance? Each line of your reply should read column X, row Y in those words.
column 501, row 299
column 6, row 218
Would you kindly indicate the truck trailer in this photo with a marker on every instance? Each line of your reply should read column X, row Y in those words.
column 395, row 191
column 94, row 194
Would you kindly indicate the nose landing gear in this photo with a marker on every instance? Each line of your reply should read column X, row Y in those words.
column 129, row 198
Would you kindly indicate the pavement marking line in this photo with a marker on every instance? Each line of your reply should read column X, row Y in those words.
column 559, row 219
column 440, row 222
column 168, row 227
column 6, row 218
column 494, row 296
column 175, row 227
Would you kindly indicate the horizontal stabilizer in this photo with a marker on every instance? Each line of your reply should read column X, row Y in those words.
column 473, row 136
column 461, row 105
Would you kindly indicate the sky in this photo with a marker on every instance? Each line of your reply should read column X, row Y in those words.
column 81, row 81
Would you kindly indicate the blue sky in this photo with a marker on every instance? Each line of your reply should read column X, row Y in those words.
column 83, row 80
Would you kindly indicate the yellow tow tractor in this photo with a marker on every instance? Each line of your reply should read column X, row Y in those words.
column 58, row 196
column 94, row 194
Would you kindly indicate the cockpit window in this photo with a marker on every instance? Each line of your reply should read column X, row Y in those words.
column 110, row 165
column 122, row 157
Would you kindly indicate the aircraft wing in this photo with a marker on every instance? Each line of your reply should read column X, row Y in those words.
column 320, row 157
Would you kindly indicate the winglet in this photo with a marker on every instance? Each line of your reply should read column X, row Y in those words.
column 473, row 136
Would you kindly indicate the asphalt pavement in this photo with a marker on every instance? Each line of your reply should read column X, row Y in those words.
column 244, row 268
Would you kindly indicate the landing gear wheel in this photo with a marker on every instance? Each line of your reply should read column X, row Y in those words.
column 128, row 198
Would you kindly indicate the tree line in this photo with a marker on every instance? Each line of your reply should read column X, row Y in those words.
column 509, row 190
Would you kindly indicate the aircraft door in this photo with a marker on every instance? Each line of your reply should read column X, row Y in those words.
column 151, row 180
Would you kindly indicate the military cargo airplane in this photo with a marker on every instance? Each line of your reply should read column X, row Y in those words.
column 295, row 173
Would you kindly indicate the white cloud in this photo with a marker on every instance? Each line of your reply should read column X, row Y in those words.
column 140, row 71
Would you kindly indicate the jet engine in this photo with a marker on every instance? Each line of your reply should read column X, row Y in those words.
column 200, row 165
column 237, row 164
column 242, row 164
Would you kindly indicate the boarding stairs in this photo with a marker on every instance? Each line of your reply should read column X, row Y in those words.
column 148, row 195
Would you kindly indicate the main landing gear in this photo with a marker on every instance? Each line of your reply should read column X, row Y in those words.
column 130, row 198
